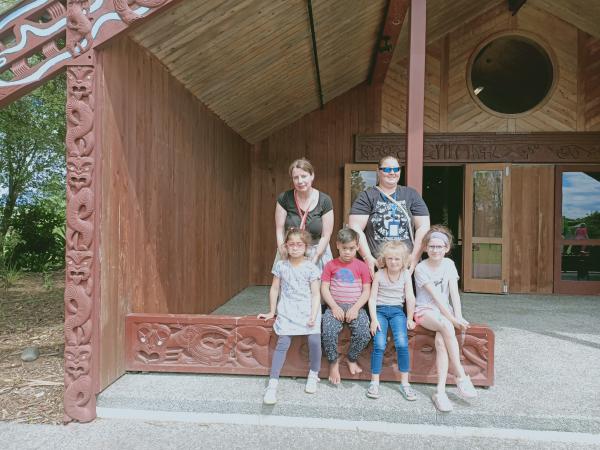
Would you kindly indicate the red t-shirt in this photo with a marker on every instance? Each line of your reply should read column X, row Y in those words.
column 346, row 279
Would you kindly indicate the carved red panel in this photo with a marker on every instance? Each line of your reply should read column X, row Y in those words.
column 81, row 246
column 485, row 147
column 245, row 345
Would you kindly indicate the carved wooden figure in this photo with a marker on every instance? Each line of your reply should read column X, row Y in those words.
column 81, row 248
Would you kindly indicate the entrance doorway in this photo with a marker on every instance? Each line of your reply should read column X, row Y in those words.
column 486, row 232
column 443, row 195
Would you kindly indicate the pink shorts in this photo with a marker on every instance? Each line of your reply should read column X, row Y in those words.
column 420, row 312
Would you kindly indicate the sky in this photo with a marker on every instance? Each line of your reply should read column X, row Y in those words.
column 581, row 195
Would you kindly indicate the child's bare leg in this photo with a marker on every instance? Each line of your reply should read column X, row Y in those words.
column 404, row 378
column 359, row 339
column 354, row 368
column 434, row 321
column 334, row 372
column 329, row 337
column 441, row 361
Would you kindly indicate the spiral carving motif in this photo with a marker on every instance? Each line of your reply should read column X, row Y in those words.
column 81, row 252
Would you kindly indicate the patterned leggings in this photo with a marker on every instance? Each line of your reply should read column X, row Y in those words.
column 332, row 327
column 283, row 344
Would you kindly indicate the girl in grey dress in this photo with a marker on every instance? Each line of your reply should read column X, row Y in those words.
column 296, row 285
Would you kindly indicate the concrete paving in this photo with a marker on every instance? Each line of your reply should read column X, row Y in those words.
column 145, row 435
column 546, row 396
column 547, row 348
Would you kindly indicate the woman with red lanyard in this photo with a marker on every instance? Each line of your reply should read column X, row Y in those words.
column 306, row 208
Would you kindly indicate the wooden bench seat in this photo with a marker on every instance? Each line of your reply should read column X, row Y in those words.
column 244, row 345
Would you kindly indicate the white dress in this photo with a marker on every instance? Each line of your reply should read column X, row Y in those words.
column 295, row 299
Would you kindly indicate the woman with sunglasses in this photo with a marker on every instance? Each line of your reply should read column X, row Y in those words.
column 388, row 212
column 306, row 208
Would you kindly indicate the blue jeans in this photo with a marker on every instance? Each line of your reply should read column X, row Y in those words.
column 392, row 316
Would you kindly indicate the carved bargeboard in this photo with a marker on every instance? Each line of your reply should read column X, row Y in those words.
column 245, row 345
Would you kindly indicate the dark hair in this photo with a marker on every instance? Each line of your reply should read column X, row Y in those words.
column 385, row 158
column 347, row 235
column 304, row 237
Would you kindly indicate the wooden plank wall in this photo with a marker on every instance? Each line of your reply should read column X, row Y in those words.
column 532, row 229
column 450, row 107
column 590, row 81
column 326, row 138
column 176, row 196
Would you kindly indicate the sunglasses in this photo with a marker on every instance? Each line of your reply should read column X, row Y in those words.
column 390, row 169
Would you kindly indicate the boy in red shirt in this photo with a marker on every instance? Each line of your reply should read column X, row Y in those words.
column 345, row 287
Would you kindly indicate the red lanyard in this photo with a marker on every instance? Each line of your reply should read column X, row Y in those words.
column 303, row 215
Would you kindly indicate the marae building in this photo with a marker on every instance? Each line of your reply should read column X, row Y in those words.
column 183, row 115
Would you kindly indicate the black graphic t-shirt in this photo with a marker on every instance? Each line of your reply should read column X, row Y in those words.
column 387, row 221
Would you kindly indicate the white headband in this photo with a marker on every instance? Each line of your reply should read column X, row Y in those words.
column 438, row 235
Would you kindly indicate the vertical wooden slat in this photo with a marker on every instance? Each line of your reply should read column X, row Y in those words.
column 581, row 64
column 444, row 66
column 416, row 95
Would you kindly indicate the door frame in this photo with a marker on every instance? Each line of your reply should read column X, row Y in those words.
column 566, row 286
column 471, row 284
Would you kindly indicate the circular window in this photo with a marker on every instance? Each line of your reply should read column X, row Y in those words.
column 511, row 74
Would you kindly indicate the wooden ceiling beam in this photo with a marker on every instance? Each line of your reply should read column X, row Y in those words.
column 387, row 40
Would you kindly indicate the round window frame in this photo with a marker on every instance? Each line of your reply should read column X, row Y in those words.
column 536, row 40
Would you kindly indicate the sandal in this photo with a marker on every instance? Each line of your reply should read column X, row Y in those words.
column 408, row 393
column 442, row 402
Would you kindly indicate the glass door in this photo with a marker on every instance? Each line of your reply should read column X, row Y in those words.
column 577, row 230
column 486, row 245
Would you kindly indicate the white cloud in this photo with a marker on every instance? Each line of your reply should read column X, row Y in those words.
column 581, row 195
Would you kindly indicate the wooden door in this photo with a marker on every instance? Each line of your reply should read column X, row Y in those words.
column 486, row 237
column 577, row 230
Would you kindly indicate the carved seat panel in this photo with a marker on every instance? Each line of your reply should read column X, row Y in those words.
column 245, row 345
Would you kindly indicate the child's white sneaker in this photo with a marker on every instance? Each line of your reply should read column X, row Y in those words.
column 442, row 402
column 270, row 397
column 311, row 383
column 373, row 391
column 466, row 388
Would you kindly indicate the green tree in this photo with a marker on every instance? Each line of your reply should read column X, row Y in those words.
column 32, row 149
column 5, row 4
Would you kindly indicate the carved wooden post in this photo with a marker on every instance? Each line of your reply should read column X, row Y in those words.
column 81, row 238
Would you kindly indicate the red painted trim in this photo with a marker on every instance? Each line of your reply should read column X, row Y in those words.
column 416, row 95
column 78, row 29
column 387, row 39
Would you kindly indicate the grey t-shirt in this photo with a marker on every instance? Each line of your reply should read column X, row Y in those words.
column 391, row 293
column 387, row 221
column 440, row 278
column 314, row 220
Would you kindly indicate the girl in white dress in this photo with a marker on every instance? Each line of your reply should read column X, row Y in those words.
column 296, row 285
column 436, row 279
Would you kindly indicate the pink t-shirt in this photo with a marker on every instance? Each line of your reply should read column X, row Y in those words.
column 346, row 279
